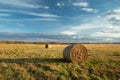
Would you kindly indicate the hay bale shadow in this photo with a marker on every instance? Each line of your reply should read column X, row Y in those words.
column 34, row 60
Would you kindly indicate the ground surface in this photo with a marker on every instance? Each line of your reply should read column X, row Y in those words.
column 34, row 62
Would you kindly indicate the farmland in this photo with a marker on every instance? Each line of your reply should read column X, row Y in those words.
column 34, row 62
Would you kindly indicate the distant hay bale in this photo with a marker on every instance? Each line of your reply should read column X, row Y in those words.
column 48, row 46
column 75, row 53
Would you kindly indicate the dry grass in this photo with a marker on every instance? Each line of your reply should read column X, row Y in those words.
column 34, row 62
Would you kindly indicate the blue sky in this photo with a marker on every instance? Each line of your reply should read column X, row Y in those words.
column 60, row 20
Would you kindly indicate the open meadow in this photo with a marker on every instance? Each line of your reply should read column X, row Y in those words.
column 34, row 62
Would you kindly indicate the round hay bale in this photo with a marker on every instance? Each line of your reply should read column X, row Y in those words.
column 75, row 53
column 48, row 46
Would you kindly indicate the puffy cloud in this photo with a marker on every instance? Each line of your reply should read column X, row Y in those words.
column 92, row 25
column 111, row 29
column 100, row 29
column 82, row 4
column 60, row 4
column 46, row 7
column 89, row 10
column 85, row 7
column 113, row 15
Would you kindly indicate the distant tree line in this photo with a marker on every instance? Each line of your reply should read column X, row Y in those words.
column 23, row 42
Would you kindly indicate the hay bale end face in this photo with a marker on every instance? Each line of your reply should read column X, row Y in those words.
column 75, row 53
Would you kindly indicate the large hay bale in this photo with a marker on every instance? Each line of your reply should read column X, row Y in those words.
column 75, row 53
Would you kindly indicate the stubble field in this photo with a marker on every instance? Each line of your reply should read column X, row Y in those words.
column 34, row 62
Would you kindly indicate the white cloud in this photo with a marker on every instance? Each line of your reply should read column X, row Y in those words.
column 111, row 29
column 23, row 4
column 85, row 7
column 108, row 35
column 46, row 7
column 46, row 15
column 93, row 24
column 90, row 10
column 68, row 32
column 18, row 3
column 82, row 4
column 60, row 4
column 99, row 27
column 113, row 15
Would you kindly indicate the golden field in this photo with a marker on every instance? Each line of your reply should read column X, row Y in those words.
column 34, row 62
